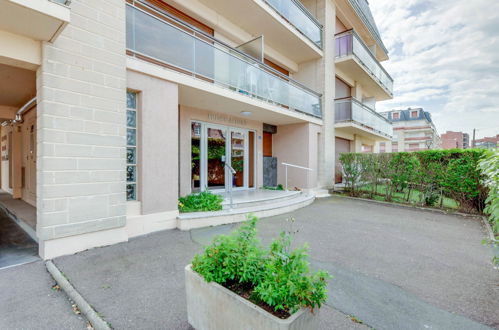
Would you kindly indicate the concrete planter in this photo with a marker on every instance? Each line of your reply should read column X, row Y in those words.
column 210, row 306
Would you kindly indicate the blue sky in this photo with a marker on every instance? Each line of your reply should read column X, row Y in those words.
column 444, row 57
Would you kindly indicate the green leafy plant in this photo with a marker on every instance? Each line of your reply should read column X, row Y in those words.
column 278, row 187
column 235, row 257
column 489, row 166
column 352, row 170
column 200, row 202
column 279, row 277
column 287, row 283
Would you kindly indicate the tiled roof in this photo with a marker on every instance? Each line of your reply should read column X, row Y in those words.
column 362, row 9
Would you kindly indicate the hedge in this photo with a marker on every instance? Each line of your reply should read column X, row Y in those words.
column 489, row 165
column 435, row 174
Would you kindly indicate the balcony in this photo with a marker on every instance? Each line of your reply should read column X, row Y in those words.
column 357, row 118
column 298, row 16
column 288, row 27
column 171, row 43
column 38, row 20
column 355, row 60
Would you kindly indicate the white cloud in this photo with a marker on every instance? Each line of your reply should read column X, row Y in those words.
column 444, row 56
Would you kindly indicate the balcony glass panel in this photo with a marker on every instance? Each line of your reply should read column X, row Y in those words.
column 300, row 18
column 349, row 43
column 350, row 110
column 201, row 56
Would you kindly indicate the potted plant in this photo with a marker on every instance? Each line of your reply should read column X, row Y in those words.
column 236, row 284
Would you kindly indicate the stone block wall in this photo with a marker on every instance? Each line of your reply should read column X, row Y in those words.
column 81, row 87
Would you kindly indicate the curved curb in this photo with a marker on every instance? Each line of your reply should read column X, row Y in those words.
column 97, row 322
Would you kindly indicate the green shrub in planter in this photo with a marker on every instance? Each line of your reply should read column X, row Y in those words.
column 235, row 257
column 200, row 202
column 287, row 283
column 279, row 277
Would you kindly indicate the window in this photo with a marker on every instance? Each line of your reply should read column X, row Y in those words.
column 414, row 114
column 396, row 115
column 395, row 147
column 131, row 143
column 414, row 146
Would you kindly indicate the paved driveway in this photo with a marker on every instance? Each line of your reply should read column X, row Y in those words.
column 27, row 301
column 394, row 268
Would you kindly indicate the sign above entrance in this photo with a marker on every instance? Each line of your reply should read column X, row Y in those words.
column 226, row 119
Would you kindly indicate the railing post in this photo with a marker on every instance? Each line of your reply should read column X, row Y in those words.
column 286, row 171
column 231, row 171
column 230, row 190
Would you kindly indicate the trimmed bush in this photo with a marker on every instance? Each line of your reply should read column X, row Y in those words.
column 200, row 202
column 432, row 175
column 278, row 278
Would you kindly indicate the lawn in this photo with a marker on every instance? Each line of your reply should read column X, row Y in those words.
column 404, row 197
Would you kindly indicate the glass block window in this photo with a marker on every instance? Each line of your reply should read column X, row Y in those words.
column 131, row 149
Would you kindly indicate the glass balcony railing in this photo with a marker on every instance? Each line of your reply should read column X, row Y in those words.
column 349, row 43
column 351, row 110
column 298, row 16
column 189, row 51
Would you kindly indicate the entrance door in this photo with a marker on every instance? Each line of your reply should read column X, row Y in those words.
column 213, row 146
column 29, row 161
column 215, row 156
column 238, row 157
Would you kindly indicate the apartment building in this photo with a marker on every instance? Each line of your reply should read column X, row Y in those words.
column 413, row 130
column 360, row 82
column 451, row 140
column 112, row 109
column 488, row 142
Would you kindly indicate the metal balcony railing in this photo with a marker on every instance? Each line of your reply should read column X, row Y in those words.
column 351, row 110
column 298, row 16
column 349, row 43
column 183, row 48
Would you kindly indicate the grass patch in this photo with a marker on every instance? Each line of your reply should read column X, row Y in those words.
column 413, row 197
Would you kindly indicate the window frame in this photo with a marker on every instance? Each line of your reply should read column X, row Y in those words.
column 134, row 164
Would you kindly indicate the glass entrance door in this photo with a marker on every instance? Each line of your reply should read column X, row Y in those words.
column 238, row 156
column 212, row 146
column 216, row 154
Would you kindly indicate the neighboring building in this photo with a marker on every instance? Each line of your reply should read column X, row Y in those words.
column 413, row 130
column 451, row 140
column 113, row 109
column 487, row 142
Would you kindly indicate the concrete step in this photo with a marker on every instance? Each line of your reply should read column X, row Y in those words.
column 187, row 221
column 322, row 193
column 260, row 200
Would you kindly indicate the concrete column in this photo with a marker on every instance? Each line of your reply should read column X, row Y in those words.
column 81, row 132
column 357, row 144
column 388, row 146
column 326, row 157
column 297, row 144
